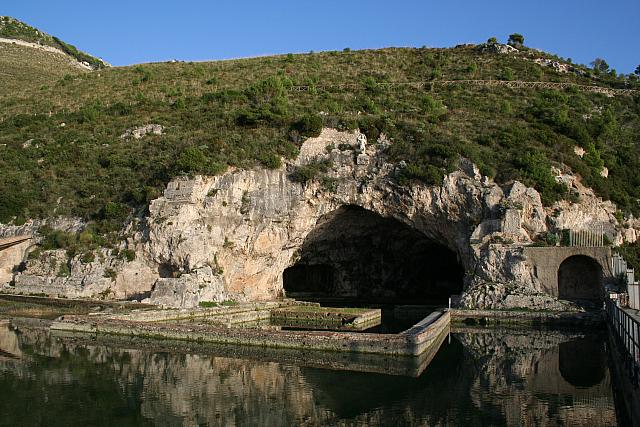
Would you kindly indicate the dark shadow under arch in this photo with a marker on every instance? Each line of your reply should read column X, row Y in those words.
column 356, row 253
column 580, row 278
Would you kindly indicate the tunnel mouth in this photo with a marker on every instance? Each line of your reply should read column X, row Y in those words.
column 580, row 279
column 357, row 257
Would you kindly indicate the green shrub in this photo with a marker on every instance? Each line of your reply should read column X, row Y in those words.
column 193, row 160
column 110, row 273
column 64, row 270
column 309, row 125
column 271, row 161
column 88, row 257
column 508, row 74
column 516, row 40
column 329, row 184
column 208, row 304
column 428, row 174
column 127, row 254
column 309, row 172
column 536, row 169
column 631, row 253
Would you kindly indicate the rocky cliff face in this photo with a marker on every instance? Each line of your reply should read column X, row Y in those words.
column 232, row 236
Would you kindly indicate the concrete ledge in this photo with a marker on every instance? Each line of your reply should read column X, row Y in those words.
column 327, row 317
column 358, row 362
column 198, row 313
column 422, row 335
column 527, row 317
column 412, row 342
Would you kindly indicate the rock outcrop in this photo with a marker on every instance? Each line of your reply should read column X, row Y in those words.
column 232, row 236
column 141, row 131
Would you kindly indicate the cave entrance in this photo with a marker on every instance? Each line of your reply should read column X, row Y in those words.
column 580, row 278
column 358, row 256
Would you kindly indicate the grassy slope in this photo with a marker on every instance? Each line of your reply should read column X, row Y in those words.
column 23, row 68
column 242, row 113
column 13, row 29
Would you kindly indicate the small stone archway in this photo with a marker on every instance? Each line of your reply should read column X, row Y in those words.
column 546, row 264
column 580, row 277
column 355, row 253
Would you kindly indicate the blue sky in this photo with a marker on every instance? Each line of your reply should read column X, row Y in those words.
column 134, row 31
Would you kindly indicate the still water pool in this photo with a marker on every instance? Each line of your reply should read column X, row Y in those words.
column 479, row 377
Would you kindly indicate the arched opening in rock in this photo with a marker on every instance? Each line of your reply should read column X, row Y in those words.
column 580, row 278
column 357, row 254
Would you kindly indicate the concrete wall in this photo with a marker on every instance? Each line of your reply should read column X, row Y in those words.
column 12, row 257
column 545, row 263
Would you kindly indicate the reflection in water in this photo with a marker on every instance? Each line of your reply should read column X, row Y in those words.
column 583, row 361
column 482, row 377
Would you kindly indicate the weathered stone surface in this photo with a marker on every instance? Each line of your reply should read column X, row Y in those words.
column 556, row 65
column 498, row 48
column 253, row 222
column 189, row 289
column 232, row 236
column 632, row 230
column 11, row 259
column 141, row 131
column 589, row 213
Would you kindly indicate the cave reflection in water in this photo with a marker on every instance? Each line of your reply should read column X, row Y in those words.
column 480, row 377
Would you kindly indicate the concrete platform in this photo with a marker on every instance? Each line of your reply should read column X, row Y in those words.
column 528, row 318
column 317, row 317
column 412, row 342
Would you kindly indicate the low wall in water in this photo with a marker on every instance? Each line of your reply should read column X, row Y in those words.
column 411, row 342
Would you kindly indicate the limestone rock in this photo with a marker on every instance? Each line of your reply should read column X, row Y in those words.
column 590, row 212
column 189, row 289
column 631, row 230
column 510, row 296
column 498, row 48
column 560, row 67
column 141, row 131
column 252, row 223
column 231, row 236
column 604, row 172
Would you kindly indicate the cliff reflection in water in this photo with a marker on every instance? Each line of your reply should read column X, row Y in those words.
column 481, row 377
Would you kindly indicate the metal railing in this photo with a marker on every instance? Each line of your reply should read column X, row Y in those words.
column 587, row 238
column 626, row 331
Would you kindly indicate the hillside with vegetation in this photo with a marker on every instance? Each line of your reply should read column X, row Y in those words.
column 11, row 28
column 63, row 148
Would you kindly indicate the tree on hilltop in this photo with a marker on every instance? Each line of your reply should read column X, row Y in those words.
column 637, row 71
column 492, row 40
column 600, row 65
column 516, row 39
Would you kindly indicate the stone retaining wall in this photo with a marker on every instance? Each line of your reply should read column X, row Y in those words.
column 526, row 317
column 412, row 342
